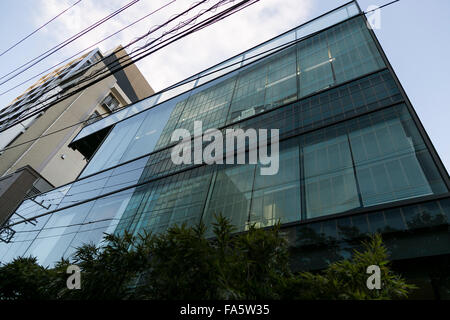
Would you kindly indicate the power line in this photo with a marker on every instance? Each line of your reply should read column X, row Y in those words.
column 121, row 173
column 91, row 46
column 138, row 39
column 89, row 222
column 78, row 73
column 84, row 201
column 141, row 37
column 283, row 46
column 62, row 129
column 89, row 78
column 128, row 59
column 69, row 40
column 272, row 49
column 97, row 188
column 183, row 82
column 26, row 37
column 108, row 73
column 384, row 5
column 241, row 9
column 172, row 86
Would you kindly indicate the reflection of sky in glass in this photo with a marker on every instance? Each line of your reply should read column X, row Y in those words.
column 311, row 27
column 149, row 132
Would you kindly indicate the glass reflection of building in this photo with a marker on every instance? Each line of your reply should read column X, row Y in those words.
column 354, row 158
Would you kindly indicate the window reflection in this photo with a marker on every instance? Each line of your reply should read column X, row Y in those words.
column 330, row 183
column 386, row 163
column 176, row 200
column 114, row 146
column 102, row 219
column 54, row 239
column 277, row 198
column 231, row 195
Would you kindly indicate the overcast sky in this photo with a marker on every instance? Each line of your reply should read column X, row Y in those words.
column 414, row 35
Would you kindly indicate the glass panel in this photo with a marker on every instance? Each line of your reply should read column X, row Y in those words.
column 170, row 126
column 158, row 164
column 216, row 71
column 142, row 105
column 269, row 47
column 125, row 175
column 366, row 94
column 114, row 146
column 117, row 116
column 281, row 86
column 145, row 139
column 102, row 219
column 23, row 238
column 85, row 189
column 248, row 98
column 386, row 161
column 175, row 91
column 102, row 123
column 230, row 196
column 54, row 239
column 352, row 10
column 210, row 105
column 27, row 232
column 327, row 20
column 49, row 200
column 314, row 61
column 277, row 197
column 353, row 51
column 330, row 184
column 130, row 217
column 175, row 200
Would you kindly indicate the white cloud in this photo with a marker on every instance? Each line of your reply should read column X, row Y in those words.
column 257, row 23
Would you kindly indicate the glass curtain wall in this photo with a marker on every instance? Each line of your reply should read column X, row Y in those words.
column 329, row 181
column 68, row 229
column 278, row 198
column 373, row 159
column 327, row 171
column 324, row 169
column 329, row 58
column 175, row 200
column 265, row 49
column 337, row 55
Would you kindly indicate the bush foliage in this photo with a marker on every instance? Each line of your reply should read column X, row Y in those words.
column 183, row 264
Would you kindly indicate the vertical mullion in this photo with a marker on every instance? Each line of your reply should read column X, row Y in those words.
column 302, row 182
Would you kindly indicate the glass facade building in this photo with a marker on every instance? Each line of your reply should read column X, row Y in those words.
column 354, row 158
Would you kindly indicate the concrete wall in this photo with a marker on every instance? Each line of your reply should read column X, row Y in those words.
column 140, row 86
column 50, row 156
column 44, row 155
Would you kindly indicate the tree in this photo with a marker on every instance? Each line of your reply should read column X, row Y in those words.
column 25, row 279
column 184, row 264
column 346, row 279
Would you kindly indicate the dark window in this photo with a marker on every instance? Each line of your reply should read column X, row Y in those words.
column 92, row 118
column 110, row 102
